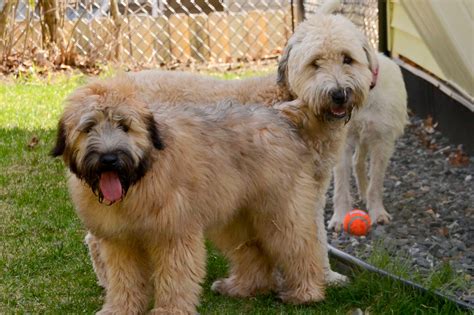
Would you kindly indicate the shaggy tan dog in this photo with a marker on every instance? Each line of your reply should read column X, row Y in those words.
column 150, row 180
column 328, row 64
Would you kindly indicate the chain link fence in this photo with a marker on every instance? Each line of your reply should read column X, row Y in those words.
column 363, row 13
column 150, row 32
column 160, row 32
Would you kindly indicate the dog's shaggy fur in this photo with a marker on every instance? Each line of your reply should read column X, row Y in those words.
column 150, row 180
column 177, row 88
column 372, row 132
column 328, row 65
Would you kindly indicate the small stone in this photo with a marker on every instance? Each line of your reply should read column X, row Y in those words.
column 409, row 194
column 452, row 252
column 430, row 261
column 436, row 250
column 459, row 245
column 413, row 250
column 432, row 213
column 453, row 225
column 379, row 231
column 416, row 184
column 425, row 188
column 422, row 262
column 468, row 178
column 402, row 241
column 354, row 242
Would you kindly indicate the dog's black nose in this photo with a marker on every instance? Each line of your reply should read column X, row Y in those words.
column 339, row 96
column 108, row 159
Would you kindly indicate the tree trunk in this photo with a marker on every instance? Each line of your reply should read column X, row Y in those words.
column 4, row 20
column 50, row 22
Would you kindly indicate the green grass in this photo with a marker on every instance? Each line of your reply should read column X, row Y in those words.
column 45, row 266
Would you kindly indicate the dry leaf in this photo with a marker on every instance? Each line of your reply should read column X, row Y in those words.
column 33, row 142
column 458, row 158
column 429, row 125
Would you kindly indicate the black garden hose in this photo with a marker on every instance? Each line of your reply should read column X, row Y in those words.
column 350, row 261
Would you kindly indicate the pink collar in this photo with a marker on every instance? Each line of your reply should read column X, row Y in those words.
column 375, row 75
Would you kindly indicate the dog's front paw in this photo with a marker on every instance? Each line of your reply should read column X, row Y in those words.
column 336, row 222
column 105, row 312
column 114, row 311
column 227, row 286
column 169, row 311
column 299, row 296
column 380, row 217
column 335, row 279
column 220, row 286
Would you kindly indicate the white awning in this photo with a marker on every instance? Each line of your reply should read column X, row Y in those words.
column 447, row 29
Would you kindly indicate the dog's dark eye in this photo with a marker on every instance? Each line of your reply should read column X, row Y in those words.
column 124, row 127
column 347, row 60
column 88, row 128
column 315, row 64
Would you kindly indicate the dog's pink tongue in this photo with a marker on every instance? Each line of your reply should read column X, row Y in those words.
column 110, row 186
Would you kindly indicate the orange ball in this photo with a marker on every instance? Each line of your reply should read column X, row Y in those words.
column 357, row 222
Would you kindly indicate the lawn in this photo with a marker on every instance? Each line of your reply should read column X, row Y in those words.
column 45, row 266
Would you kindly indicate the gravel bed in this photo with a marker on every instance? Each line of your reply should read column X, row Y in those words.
column 429, row 191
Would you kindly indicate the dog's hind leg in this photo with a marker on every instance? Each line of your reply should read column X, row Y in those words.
column 250, row 268
column 128, row 289
column 360, row 170
column 332, row 278
column 380, row 153
column 342, row 199
column 289, row 233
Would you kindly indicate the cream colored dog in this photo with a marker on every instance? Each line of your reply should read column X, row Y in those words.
column 373, row 131
column 149, row 181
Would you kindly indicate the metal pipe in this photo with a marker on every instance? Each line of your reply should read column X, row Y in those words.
column 356, row 262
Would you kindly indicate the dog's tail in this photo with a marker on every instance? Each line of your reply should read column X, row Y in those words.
column 329, row 6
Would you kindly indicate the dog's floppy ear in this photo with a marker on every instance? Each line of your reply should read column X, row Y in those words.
column 372, row 58
column 153, row 133
column 282, row 76
column 60, row 145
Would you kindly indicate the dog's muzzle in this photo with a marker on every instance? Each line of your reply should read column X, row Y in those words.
column 340, row 107
column 109, row 174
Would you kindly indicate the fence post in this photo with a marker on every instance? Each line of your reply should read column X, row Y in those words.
column 299, row 11
column 382, row 14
